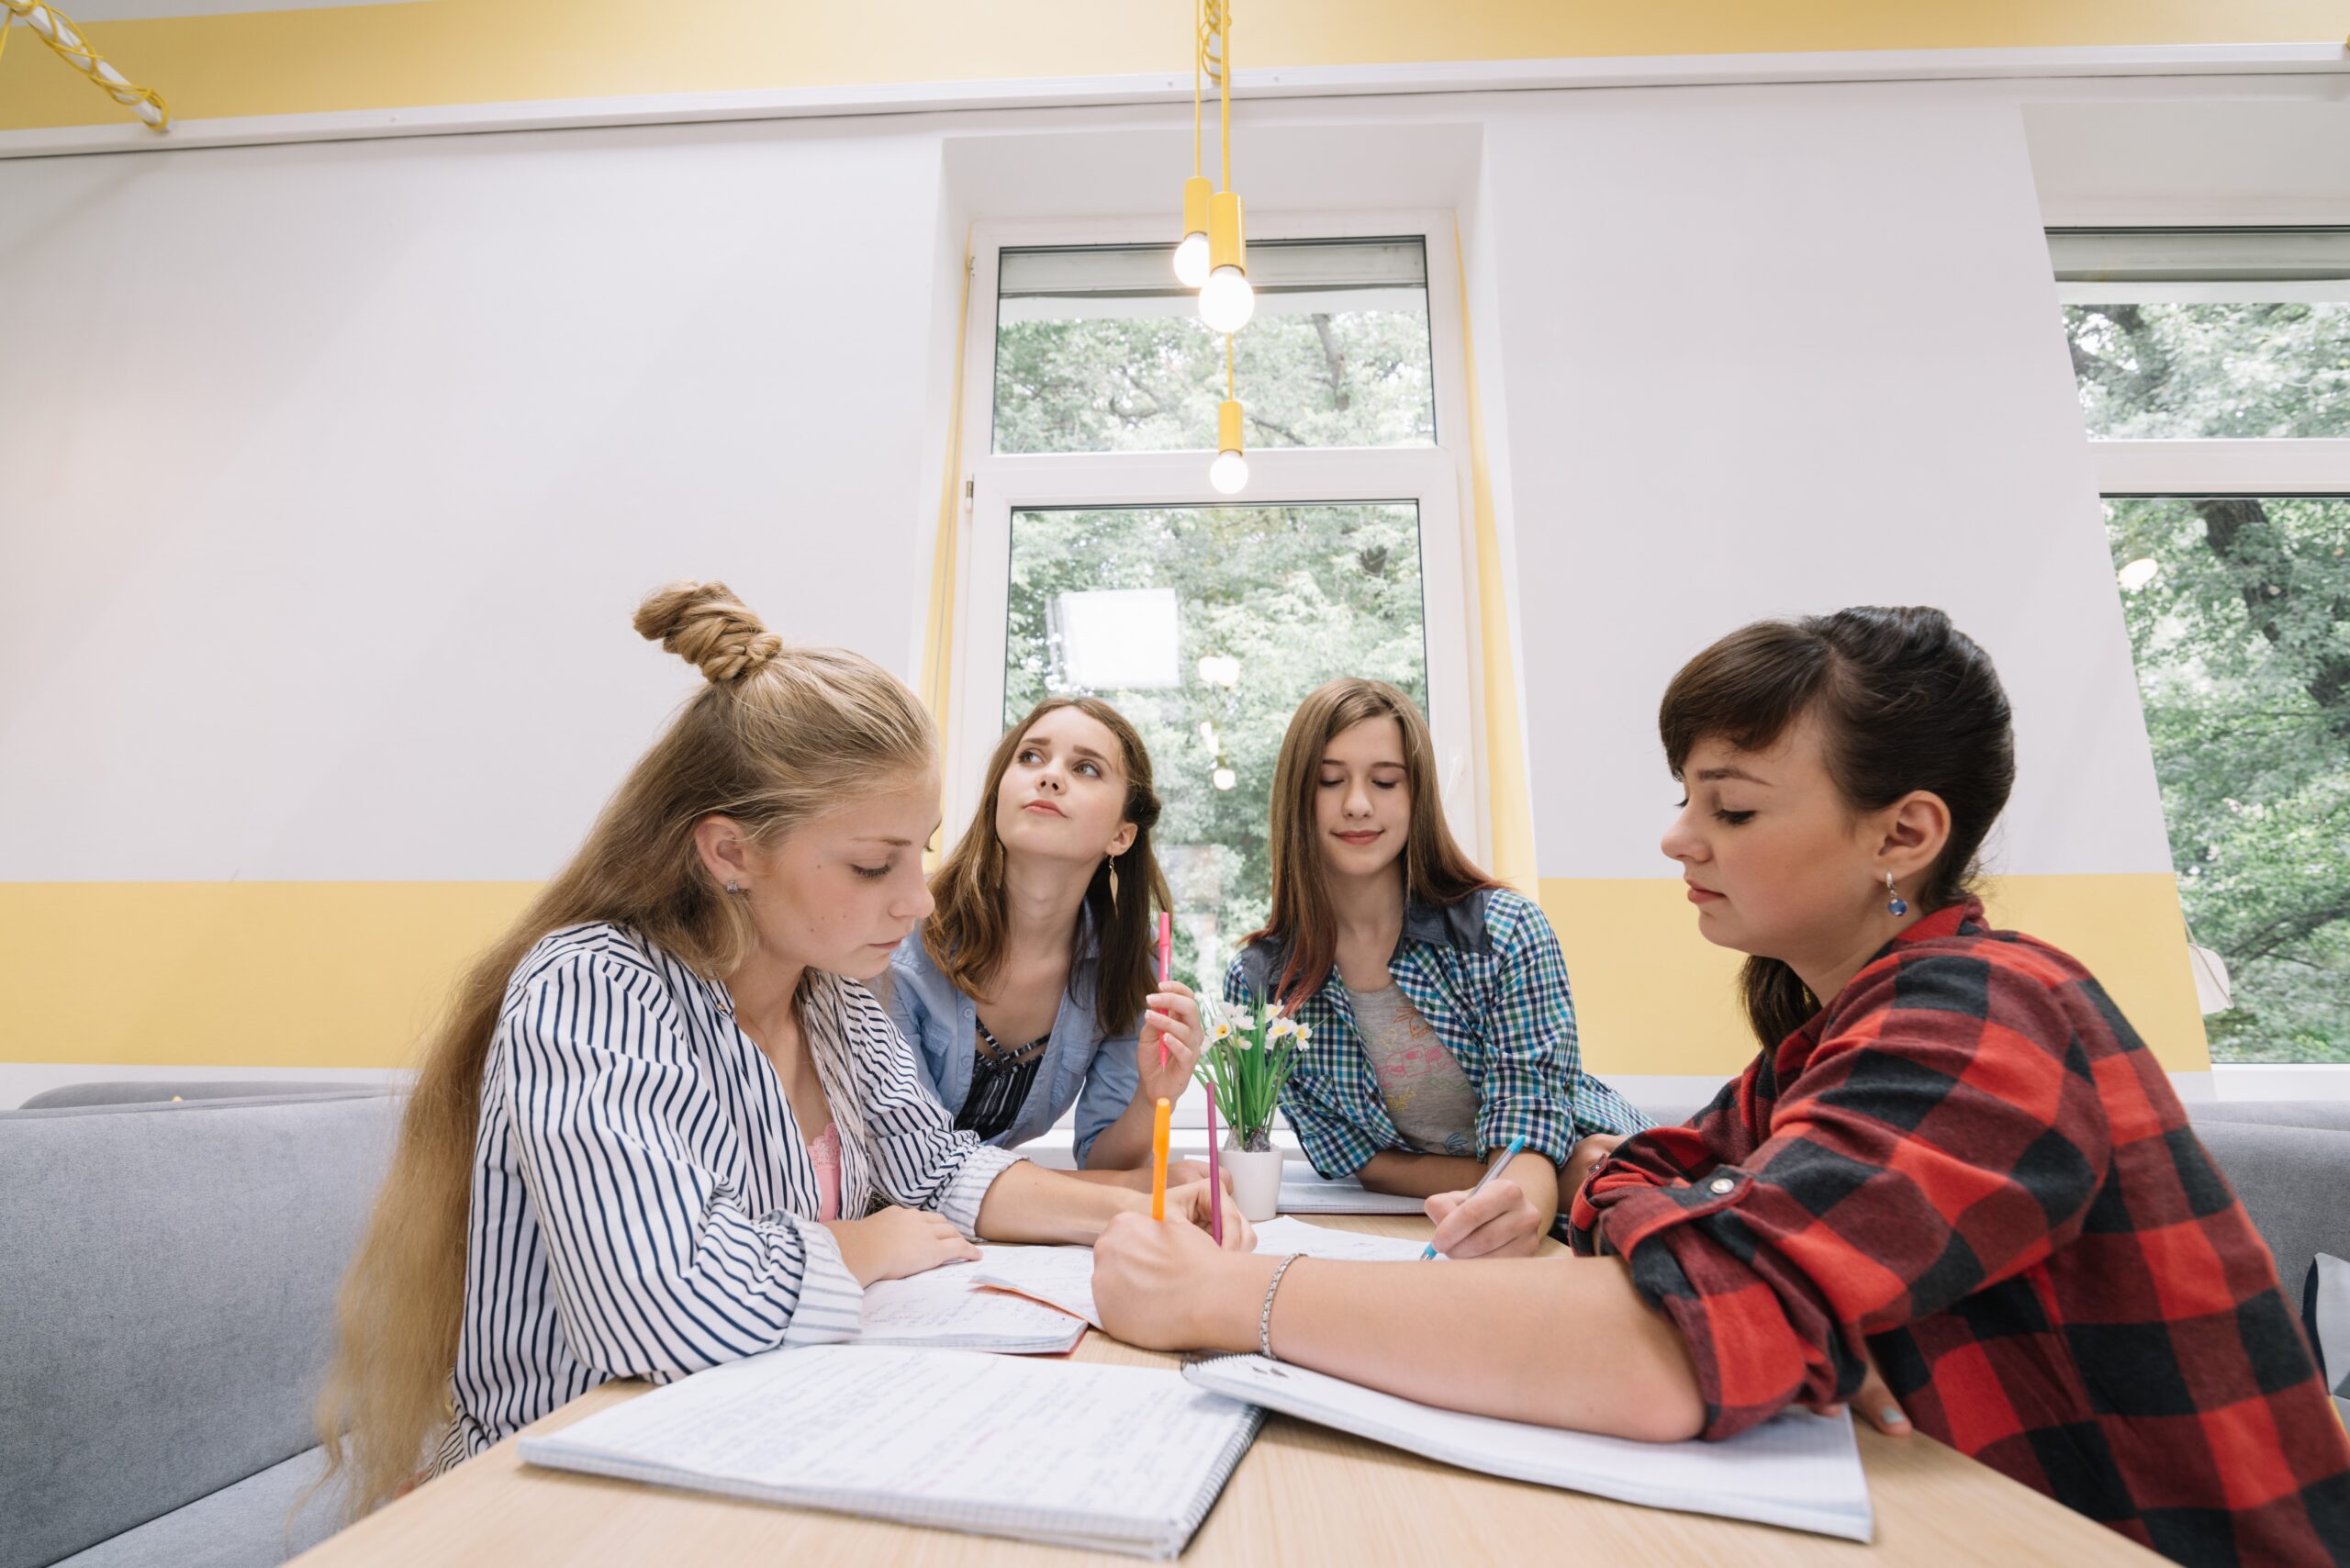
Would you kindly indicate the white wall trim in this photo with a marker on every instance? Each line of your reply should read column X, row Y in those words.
column 2284, row 467
column 1292, row 82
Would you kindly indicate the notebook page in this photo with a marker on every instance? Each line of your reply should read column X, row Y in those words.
column 1060, row 1276
column 1285, row 1235
column 1063, row 1276
column 946, row 1307
column 1303, row 1192
column 1113, row 1455
column 1797, row 1470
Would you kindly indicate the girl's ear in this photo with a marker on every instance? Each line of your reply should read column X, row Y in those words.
column 1124, row 839
column 1917, row 826
column 724, row 851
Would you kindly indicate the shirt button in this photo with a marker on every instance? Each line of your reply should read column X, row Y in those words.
column 1721, row 1184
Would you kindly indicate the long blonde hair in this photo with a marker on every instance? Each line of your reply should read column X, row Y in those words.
column 777, row 736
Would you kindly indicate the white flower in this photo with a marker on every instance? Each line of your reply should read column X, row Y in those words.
column 1222, row 1032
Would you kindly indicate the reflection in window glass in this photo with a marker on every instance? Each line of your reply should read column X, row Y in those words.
column 1100, row 350
column 2239, row 618
column 1206, row 626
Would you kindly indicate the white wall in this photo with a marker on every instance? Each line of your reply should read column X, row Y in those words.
column 1774, row 350
column 330, row 474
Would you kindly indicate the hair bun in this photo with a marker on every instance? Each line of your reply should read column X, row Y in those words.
column 706, row 625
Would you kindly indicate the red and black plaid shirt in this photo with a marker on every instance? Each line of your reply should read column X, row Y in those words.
column 1970, row 1165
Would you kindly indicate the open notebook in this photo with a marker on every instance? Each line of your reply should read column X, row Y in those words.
column 1303, row 1192
column 1063, row 1276
column 1797, row 1470
column 946, row 1309
column 1117, row 1459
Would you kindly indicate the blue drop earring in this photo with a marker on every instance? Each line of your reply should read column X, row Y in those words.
column 1894, row 904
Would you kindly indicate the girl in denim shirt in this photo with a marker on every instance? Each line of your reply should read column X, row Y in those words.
column 1034, row 986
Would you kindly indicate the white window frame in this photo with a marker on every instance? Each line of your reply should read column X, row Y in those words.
column 2283, row 466
column 1434, row 479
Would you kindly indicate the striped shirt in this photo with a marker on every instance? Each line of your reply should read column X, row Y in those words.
column 644, row 1205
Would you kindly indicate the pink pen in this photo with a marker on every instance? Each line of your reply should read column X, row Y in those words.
column 1166, row 963
column 1215, row 1180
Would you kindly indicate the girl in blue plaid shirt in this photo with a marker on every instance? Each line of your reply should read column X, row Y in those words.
column 1438, row 998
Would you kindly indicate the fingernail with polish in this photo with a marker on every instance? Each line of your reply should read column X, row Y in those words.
column 1894, row 1418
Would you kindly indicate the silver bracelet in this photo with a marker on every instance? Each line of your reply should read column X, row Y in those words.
column 1265, row 1318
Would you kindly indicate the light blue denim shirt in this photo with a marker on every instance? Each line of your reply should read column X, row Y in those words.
column 1081, row 1068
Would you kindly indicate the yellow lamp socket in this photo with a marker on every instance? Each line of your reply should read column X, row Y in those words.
column 1226, row 247
column 1199, row 193
column 1227, row 425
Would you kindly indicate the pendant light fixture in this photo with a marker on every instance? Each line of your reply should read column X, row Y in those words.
column 1191, row 255
column 1229, row 472
column 1227, row 299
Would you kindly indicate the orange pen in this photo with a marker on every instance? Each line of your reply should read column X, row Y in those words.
column 1159, row 1126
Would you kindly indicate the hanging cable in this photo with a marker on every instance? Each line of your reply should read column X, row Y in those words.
column 62, row 36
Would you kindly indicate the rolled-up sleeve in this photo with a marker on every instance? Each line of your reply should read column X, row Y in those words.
column 920, row 1160
column 1949, row 1138
column 655, row 1267
column 1110, row 1080
column 1534, row 1083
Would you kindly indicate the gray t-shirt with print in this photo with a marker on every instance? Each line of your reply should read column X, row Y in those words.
column 1434, row 1104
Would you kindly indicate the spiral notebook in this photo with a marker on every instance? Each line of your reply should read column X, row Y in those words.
column 1797, row 1470
column 1117, row 1459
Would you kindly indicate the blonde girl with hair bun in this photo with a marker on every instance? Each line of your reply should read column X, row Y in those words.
column 664, row 1124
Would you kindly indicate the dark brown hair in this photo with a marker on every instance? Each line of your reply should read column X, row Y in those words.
column 966, row 934
column 1435, row 868
column 1905, row 701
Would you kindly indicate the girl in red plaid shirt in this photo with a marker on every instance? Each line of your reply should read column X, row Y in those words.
column 1953, row 1181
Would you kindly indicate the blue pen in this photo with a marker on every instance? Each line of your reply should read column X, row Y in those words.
column 1516, row 1147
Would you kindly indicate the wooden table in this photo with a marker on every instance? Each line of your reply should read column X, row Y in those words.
column 1304, row 1494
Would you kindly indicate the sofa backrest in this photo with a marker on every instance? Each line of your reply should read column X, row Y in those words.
column 2332, row 1115
column 141, row 1090
column 2293, row 1182
column 167, row 1281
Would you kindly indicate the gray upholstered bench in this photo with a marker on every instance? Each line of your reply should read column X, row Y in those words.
column 167, row 1303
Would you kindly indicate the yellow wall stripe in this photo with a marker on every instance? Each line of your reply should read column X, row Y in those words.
column 350, row 974
column 237, row 974
column 478, row 51
column 1509, row 808
column 1653, row 996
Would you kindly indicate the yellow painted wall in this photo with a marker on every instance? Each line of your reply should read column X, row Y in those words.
column 349, row 974
column 1653, row 996
column 469, row 51
column 237, row 974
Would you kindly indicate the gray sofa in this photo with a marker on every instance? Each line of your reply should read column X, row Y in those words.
column 168, row 1309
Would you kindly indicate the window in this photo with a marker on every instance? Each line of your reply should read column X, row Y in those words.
column 1096, row 557
column 2214, row 373
column 1098, row 350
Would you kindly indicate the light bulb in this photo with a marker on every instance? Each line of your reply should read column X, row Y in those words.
column 1228, row 473
column 2138, row 572
column 1191, row 260
column 1226, row 778
column 1226, row 300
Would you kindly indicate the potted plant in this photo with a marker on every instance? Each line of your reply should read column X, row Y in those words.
column 1244, row 1062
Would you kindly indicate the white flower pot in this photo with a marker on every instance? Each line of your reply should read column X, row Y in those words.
column 1256, row 1180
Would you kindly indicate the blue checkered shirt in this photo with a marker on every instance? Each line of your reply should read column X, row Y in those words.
column 1487, row 975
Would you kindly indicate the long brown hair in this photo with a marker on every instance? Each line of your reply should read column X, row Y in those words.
column 776, row 736
column 966, row 934
column 1305, row 918
column 1905, row 701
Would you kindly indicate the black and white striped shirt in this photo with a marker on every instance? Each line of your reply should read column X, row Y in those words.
column 643, row 1201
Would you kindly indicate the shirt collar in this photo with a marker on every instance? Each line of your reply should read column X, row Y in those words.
column 1947, row 921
